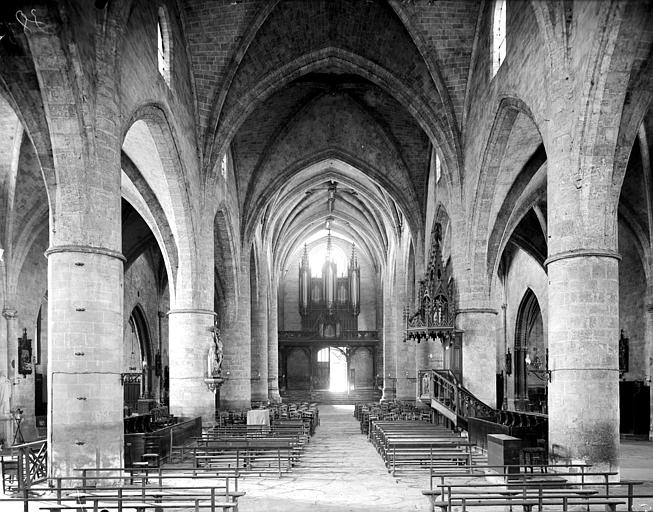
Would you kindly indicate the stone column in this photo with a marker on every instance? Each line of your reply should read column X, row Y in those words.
column 273, row 346
column 11, row 316
column 648, row 351
column 406, row 371
column 389, row 342
column 583, row 357
column 259, row 315
column 85, row 410
column 191, row 335
column 8, row 370
column 479, row 352
column 236, row 369
column 85, row 265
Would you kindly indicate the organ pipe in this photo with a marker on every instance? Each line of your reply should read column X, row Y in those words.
column 354, row 282
column 304, row 282
column 329, row 275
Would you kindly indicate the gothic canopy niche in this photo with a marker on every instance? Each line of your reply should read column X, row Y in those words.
column 436, row 313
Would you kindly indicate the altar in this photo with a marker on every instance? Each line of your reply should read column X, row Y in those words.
column 258, row 417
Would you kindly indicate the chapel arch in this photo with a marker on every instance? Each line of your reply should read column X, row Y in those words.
column 513, row 155
column 137, row 358
column 530, row 356
column 150, row 143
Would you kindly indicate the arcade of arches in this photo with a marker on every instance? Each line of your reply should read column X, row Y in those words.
column 280, row 170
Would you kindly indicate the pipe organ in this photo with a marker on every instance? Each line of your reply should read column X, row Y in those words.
column 329, row 305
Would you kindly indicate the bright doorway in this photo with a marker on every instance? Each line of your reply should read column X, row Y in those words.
column 337, row 370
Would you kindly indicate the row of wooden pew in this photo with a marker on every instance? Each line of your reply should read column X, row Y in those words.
column 560, row 487
column 461, row 479
column 291, row 411
column 142, row 489
column 389, row 410
column 254, row 449
column 415, row 444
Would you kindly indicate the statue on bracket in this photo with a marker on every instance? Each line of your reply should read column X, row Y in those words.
column 215, row 355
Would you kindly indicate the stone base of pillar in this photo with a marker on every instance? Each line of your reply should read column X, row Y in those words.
column 259, row 396
column 388, row 394
column 235, row 404
column 190, row 398
column 273, row 390
column 406, row 389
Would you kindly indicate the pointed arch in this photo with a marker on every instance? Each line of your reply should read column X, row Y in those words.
column 529, row 320
column 172, row 192
column 508, row 112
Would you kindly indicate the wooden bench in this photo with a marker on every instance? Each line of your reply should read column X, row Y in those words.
column 119, row 498
column 247, row 454
column 527, row 489
column 500, row 501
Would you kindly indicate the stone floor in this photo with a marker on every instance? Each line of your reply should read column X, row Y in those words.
column 340, row 471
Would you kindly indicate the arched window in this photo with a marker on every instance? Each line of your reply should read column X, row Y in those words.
column 498, row 35
column 223, row 166
column 164, row 45
column 438, row 169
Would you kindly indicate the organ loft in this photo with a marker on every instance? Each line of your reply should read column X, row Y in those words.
column 223, row 214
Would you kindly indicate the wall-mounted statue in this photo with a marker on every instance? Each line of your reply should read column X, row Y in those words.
column 215, row 355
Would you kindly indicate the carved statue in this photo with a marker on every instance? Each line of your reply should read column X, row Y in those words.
column 215, row 355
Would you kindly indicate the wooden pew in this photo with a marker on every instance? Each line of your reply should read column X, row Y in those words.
column 247, row 454
column 100, row 492
column 529, row 489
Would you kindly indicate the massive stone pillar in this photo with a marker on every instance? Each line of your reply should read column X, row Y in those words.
column 85, row 264
column 273, row 344
column 10, row 370
column 389, row 341
column 479, row 352
column 648, row 365
column 191, row 329
column 583, row 271
column 85, row 409
column 8, row 375
column 259, row 317
column 236, row 368
column 583, row 357
column 191, row 336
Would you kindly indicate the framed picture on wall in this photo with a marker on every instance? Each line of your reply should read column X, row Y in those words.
column 24, row 354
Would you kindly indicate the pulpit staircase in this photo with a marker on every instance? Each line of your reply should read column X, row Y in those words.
column 443, row 391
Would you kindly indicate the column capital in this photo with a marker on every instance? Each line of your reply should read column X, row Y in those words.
column 10, row 313
column 191, row 312
column 482, row 311
column 88, row 249
column 582, row 253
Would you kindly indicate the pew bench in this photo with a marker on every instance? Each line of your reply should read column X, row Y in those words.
column 140, row 506
column 528, row 504
column 250, row 455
